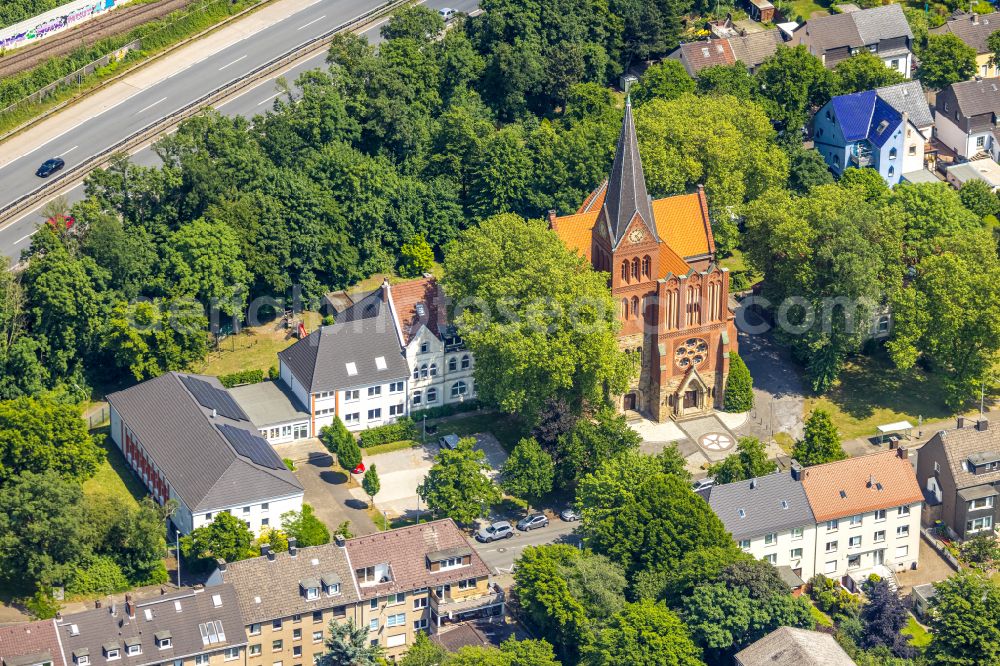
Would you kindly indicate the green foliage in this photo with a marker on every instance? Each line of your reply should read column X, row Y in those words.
column 981, row 551
column 832, row 598
column 370, row 483
column 416, row 257
column 251, row 376
column 528, row 472
column 148, row 338
column 102, row 575
column 512, row 652
column 305, row 527
column 820, row 442
column 665, row 80
column 37, row 436
column 864, row 71
column 404, row 428
column 134, row 536
column 42, row 605
column 739, row 386
column 733, row 80
column 749, row 461
column 348, row 644
column 591, row 442
column 275, row 538
column 415, row 22
column 946, row 59
column 424, row 652
column 978, row 197
column 644, row 633
column 673, row 581
column 226, row 537
column 16, row 11
column 567, row 349
column 442, row 411
column 456, row 485
column 993, row 44
column 792, row 82
column 289, row 463
column 338, row 439
column 807, row 170
column 965, row 621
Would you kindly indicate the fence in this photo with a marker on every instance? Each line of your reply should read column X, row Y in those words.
column 74, row 78
column 98, row 419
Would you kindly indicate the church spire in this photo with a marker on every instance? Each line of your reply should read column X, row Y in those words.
column 626, row 193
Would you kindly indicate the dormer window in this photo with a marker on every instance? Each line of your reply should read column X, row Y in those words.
column 449, row 558
column 163, row 639
column 81, row 657
column 331, row 584
column 112, row 651
column 133, row 646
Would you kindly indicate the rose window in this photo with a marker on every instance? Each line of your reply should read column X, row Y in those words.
column 692, row 353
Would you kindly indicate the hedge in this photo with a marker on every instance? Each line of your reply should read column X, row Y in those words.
column 242, row 377
column 404, row 428
column 445, row 410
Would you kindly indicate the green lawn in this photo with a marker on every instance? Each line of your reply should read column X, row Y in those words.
column 804, row 9
column 114, row 477
column 254, row 348
column 919, row 637
column 871, row 392
column 389, row 447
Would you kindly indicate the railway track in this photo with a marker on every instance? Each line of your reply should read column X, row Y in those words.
column 114, row 22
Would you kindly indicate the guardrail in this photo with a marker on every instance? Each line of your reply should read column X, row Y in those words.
column 171, row 120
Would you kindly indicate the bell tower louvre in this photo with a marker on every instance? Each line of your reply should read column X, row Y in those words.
column 672, row 297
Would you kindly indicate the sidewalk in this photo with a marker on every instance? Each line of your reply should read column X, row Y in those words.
column 145, row 76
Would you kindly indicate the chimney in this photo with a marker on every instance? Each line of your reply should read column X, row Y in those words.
column 975, row 18
column 961, row 422
column 97, row 603
column 214, row 412
column 796, row 471
column 871, row 480
column 903, row 453
column 129, row 606
column 265, row 549
column 271, row 555
column 58, row 616
column 341, row 541
column 221, row 563
column 753, row 484
column 551, row 217
column 982, row 425
column 293, row 549
column 385, row 290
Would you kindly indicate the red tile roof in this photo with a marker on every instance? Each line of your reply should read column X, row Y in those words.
column 406, row 296
column 31, row 639
column 861, row 484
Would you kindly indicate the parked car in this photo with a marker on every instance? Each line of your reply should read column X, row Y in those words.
column 702, row 484
column 449, row 441
column 50, row 166
column 495, row 531
column 532, row 522
column 569, row 515
column 447, row 13
column 360, row 469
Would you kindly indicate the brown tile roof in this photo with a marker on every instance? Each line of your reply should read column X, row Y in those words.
column 31, row 639
column 405, row 551
column 845, row 488
column 460, row 636
column 755, row 47
column 595, row 201
column 269, row 589
column 405, row 298
column 961, row 443
column 973, row 29
column 696, row 56
column 671, row 263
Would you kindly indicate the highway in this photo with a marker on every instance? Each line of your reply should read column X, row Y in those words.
column 97, row 133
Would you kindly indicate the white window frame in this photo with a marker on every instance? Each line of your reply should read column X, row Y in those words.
column 832, row 525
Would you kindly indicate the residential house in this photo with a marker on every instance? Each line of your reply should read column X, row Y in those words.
column 191, row 628
column 790, row 646
column 909, row 100
column 965, row 117
column 31, row 644
column 985, row 169
column 867, row 511
column 751, row 49
column 862, row 130
column 189, row 441
column 974, row 29
column 882, row 30
column 959, row 470
column 770, row 518
column 395, row 584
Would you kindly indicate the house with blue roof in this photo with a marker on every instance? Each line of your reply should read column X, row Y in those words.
column 861, row 130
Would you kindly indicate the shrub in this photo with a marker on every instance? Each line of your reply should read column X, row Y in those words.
column 242, row 377
column 307, row 529
column 404, row 428
column 101, row 575
column 289, row 463
column 42, row 606
column 273, row 373
column 739, row 387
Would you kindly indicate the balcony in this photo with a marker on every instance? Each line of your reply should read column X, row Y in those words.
column 453, row 609
column 861, row 157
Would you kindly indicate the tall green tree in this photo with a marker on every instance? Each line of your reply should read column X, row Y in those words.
column 749, row 461
column 591, row 442
column 965, row 622
column 733, row 80
column 665, row 80
column 416, row 22
column 149, row 338
column 371, row 484
column 416, row 257
column 424, row 652
column 883, row 616
column 457, row 486
column 791, row 82
column 993, row 44
column 499, row 275
column 821, row 441
column 864, row 71
column 980, row 198
column 946, row 59
column 807, row 170
column 348, row 645
column 512, row 652
column 528, row 472
column 226, row 537
column 204, row 261
column 39, row 436
column 739, row 386
column 644, row 633
column 305, row 527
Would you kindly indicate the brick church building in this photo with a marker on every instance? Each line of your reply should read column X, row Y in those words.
column 673, row 297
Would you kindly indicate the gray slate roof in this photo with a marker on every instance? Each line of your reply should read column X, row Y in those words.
column 184, row 442
column 319, row 360
column 788, row 646
column 626, row 196
column 97, row 627
column 761, row 501
column 880, row 23
column 977, row 97
column 908, row 97
column 973, row 29
column 269, row 590
column 269, row 403
column 961, row 443
column 854, row 29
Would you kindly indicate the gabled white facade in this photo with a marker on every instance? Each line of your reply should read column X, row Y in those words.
column 440, row 372
column 794, row 547
column 853, row 544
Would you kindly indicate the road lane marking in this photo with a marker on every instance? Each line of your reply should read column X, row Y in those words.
column 233, row 62
column 269, row 98
column 24, row 238
column 311, row 22
column 67, row 152
column 147, row 108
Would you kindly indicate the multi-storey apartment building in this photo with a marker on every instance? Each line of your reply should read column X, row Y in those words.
column 395, row 584
column 770, row 518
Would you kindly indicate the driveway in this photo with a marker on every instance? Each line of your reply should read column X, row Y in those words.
column 326, row 489
column 400, row 472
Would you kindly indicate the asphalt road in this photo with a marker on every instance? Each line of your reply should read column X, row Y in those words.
column 500, row 555
column 97, row 133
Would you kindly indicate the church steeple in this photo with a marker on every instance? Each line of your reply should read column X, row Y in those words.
column 626, row 195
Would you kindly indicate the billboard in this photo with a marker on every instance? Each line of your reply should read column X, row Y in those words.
column 53, row 21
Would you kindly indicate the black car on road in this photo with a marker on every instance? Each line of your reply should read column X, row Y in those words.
column 49, row 167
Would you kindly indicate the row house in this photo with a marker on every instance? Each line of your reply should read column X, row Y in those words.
column 965, row 118
column 393, row 584
column 882, row 31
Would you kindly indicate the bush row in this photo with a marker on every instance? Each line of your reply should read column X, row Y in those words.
column 446, row 410
column 404, row 428
column 242, row 377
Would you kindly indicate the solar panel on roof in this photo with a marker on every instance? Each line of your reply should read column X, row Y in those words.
column 210, row 397
column 251, row 446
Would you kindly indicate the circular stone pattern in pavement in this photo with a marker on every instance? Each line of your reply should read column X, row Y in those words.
column 716, row 441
